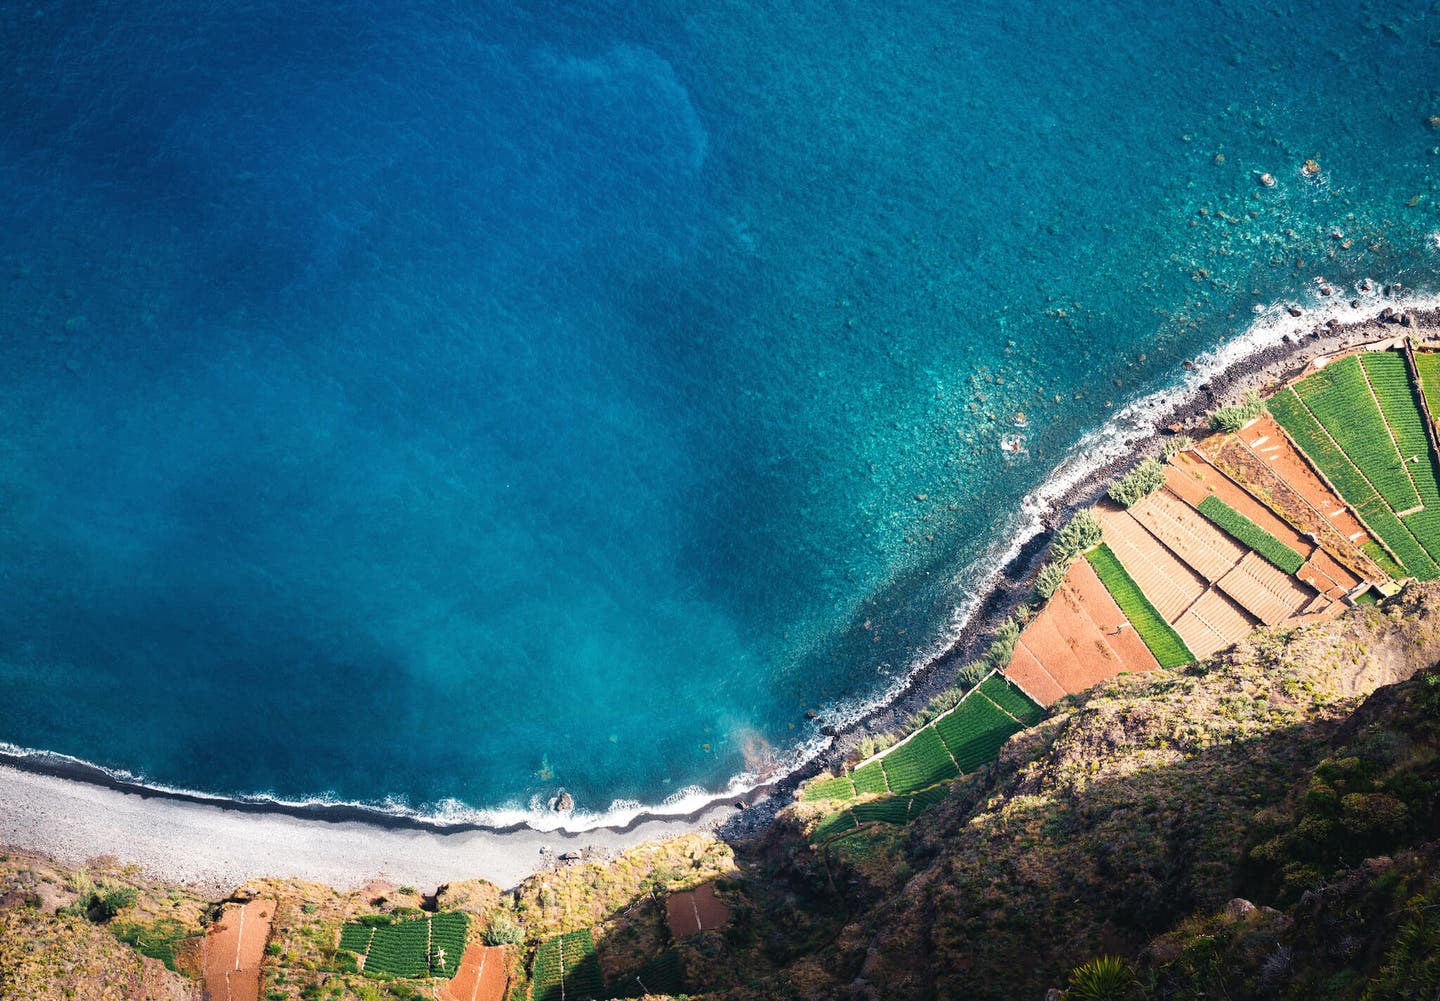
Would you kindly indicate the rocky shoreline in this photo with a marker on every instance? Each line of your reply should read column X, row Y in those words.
column 44, row 790
column 1262, row 372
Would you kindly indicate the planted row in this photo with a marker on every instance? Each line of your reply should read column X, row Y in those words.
column 1391, row 381
column 920, row 762
column 1297, row 420
column 1251, row 535
column 975, row 732
column 1339, row 397
column 566, row 967
column 1012, row 700
column 1164, row 642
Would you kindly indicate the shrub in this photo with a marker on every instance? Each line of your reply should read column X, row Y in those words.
column 1235, row 417
column 1174, row 446
column 969, row 676
column 1142, row 481
column 1049, row 579
column 1079, row 534
column 503, row 931
column 1105, row 978
column 100, row 901
column 1002, row 648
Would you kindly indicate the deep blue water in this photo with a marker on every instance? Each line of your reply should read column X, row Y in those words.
column 466, row 400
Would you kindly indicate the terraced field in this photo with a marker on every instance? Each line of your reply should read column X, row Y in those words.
column 1011, row 699
column 1390, row 380
column 1164, row 642
column 424, row 947
column 566, row 968
column 1427, row 363
column 1340, row 399
column 1300, row 423
column 1251, row 535
column 919, row 762
column 975, row 731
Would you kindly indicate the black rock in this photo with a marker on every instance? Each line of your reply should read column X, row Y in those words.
column 1295, row 311
column 569, row 856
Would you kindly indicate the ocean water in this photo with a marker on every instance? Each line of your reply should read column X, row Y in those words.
column 431, row 405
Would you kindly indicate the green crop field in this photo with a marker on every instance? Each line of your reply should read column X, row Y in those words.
column 870, row 777
column 1249, row 534
column 824, row 788
column 975, row 731
column 1286, row 407
column 410, row 948
column 566, row 967
column 1339, row 397
column 926, row 798
column 1427, row 363
column 447, row 943
column 890, row 810
column 921, row 761
column 1164, row 642
column 843, row 820
column 662, row 975
column 1380, row 556
column 1390, row 379
column 356, row 938
column 1011, row 699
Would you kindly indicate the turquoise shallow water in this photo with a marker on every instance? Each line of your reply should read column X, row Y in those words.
column 468, row 401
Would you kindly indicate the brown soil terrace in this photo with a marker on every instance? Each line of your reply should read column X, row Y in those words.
column 1210, row 587
column 694, row 911
column 483, row 975
column 234, row 949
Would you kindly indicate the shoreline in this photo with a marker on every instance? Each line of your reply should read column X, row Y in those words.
column 75, row 810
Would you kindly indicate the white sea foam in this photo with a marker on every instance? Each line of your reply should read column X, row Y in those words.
column 1113, row 440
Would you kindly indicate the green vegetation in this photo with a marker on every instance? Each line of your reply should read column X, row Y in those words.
column 1105, row 978
column 975, row 732
column 158, row 940
column 1079, row 534
column 356, row 938
column 1386, row 562
column 1164, row 642
column 99, row 902
column 1339, row 397
column 502, row 930
column 424, row 947
column 1369, row 506
column 660, row 975
column 1049, row 579
column 1012, row 700
column 1147, row 477
column 919, row 762
column 1390, row 380
column 870, row 778
column 897, row 810
column 1252, row 535
column 1235, row 417
column 566, row 967
column 447, row 943
column 1174, row 446
column 828, row 788
column 1427, row 363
